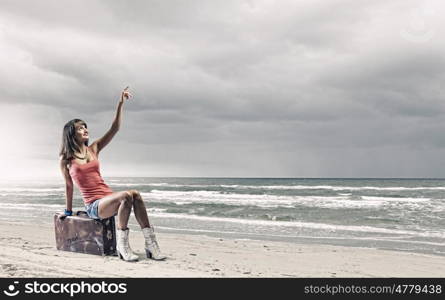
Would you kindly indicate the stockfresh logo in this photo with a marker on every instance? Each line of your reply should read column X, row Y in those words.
column 12, row 290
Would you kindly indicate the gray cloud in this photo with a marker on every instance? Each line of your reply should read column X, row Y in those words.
column 231, row 88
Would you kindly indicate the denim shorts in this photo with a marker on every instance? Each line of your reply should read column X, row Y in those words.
column 92, row 209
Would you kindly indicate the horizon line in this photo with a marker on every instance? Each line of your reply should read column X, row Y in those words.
column 225, row 177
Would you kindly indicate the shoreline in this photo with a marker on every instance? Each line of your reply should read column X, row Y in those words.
column 29, row 251
column 362, row 243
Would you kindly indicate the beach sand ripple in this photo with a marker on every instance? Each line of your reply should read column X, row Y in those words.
column 29, row 251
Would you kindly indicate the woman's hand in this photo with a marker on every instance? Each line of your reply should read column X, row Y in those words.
column 65, row 214
column 126, row 94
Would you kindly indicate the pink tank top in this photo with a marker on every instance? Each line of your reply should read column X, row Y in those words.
column 88, row 179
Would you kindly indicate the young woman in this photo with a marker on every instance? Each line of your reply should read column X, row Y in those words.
column 80, row 162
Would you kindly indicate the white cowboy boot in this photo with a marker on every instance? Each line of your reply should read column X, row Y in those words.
column 151, row 245
column 123, row 247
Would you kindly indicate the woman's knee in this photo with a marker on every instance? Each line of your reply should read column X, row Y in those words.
column 133, row 192
column 127, row 198
column 135, row 195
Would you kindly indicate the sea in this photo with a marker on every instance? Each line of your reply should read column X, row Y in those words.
column 392, row 214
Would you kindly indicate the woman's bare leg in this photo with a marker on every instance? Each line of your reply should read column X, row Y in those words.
column 140, row 211
column 120, row 202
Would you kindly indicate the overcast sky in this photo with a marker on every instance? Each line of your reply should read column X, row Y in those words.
column 332, row 88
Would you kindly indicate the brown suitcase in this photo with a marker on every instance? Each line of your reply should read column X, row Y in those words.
column 80, row 233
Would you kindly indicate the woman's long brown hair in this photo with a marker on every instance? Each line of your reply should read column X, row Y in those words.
column 69, row 144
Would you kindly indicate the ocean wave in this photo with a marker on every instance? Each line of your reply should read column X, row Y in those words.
column 384, row 239
column 38, row 190
column 29, row 194
column 284, row 187
column 395, row 199
column 297, row 224
column 331, row 187
column 25, row 206
column 165, row 184
column 31, row 206
column 141, row 184
column 183, row 197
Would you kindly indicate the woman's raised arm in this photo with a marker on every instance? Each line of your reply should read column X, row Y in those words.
column 108, row 136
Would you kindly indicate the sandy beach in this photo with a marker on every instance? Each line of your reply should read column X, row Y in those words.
column 29, row 251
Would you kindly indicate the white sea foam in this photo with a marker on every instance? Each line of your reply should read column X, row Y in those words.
column 270, row 201
column 30, row 194
column 296, row 224
column 156, row 210
column 285, row 187
column 31, row 206
column 144, row 184
column 35, row 190
column 164, row 184
column 331, row 187
column 384, row 239
column 395, row 199
column 24, row 206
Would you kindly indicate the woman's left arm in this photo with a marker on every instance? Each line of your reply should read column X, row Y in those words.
column 108, row 136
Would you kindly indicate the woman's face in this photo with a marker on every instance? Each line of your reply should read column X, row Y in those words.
column 81, row 133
